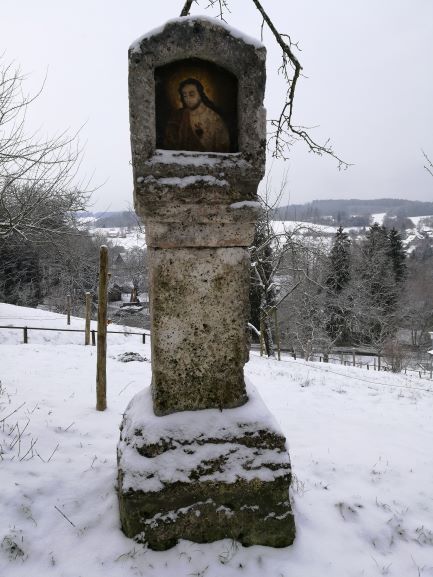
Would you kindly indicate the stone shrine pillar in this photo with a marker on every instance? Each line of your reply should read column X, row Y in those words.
column 202, row 458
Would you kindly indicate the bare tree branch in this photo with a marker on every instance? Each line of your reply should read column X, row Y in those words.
column 187, row 7
column 284, row 133
column 429, row 165
column 222, row 5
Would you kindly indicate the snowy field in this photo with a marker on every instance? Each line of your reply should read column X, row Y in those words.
column 303, row 228
column 361, row 449
column 129, row 239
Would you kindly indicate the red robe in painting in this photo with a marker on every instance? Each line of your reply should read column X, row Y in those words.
column 201, row 130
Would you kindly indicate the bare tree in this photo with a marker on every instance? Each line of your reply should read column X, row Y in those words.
column 38, row 194
column 302, row 302
column 134, row 269
column 266, row 254
column 287, row 269
column 43, row 251
column 69, row 267
column 416, row 303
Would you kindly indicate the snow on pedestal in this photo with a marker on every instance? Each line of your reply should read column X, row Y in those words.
column 204, row 475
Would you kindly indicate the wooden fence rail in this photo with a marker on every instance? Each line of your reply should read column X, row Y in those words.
column 93, row 332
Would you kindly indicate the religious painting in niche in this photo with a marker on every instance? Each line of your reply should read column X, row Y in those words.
column 196, row 107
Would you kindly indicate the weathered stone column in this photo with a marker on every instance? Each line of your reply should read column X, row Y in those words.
column 198, row 148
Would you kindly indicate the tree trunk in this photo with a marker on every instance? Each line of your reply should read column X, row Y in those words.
column 267, row 336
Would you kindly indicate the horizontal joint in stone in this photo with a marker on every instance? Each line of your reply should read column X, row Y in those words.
column 198, row 235
column 191, row 214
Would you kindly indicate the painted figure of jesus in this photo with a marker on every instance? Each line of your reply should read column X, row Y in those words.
column 197, row 125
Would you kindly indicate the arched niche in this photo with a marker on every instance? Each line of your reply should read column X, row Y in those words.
column 196, row 107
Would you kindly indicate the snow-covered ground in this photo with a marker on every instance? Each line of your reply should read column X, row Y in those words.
column 361, row 449
column 378, row 217
column 128, row 237
column 306, row 228
column 121, row 236
column 418, row 220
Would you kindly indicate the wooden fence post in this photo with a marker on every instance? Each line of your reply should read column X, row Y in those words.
column 25, row 335
column 68, row 309
column 354, row 357
column 277, row 333
column 88, row 315
column 101, row 363
column 93, row 338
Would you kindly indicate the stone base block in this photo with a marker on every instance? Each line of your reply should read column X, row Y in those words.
column 204, row 475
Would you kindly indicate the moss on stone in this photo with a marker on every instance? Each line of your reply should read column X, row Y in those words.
column 240, row 492
column 251, row 512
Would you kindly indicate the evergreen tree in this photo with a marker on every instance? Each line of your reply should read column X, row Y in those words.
column 338, row 278
column 379, row 286
column 376, row 240
column 378, row 269
column 397, row 255
column 339, row 262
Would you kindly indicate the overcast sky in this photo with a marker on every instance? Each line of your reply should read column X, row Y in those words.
column 369, row 86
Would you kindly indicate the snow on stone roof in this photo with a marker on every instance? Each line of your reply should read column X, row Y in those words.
column 135, row 46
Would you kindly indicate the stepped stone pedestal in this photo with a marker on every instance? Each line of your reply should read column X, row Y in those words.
column 200, row 457
column 204, row 476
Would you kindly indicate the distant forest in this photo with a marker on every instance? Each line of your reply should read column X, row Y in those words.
column 352, row 212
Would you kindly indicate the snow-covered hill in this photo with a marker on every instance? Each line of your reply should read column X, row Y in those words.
column 361, row 448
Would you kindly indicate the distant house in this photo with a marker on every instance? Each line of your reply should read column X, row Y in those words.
column 119, row 261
